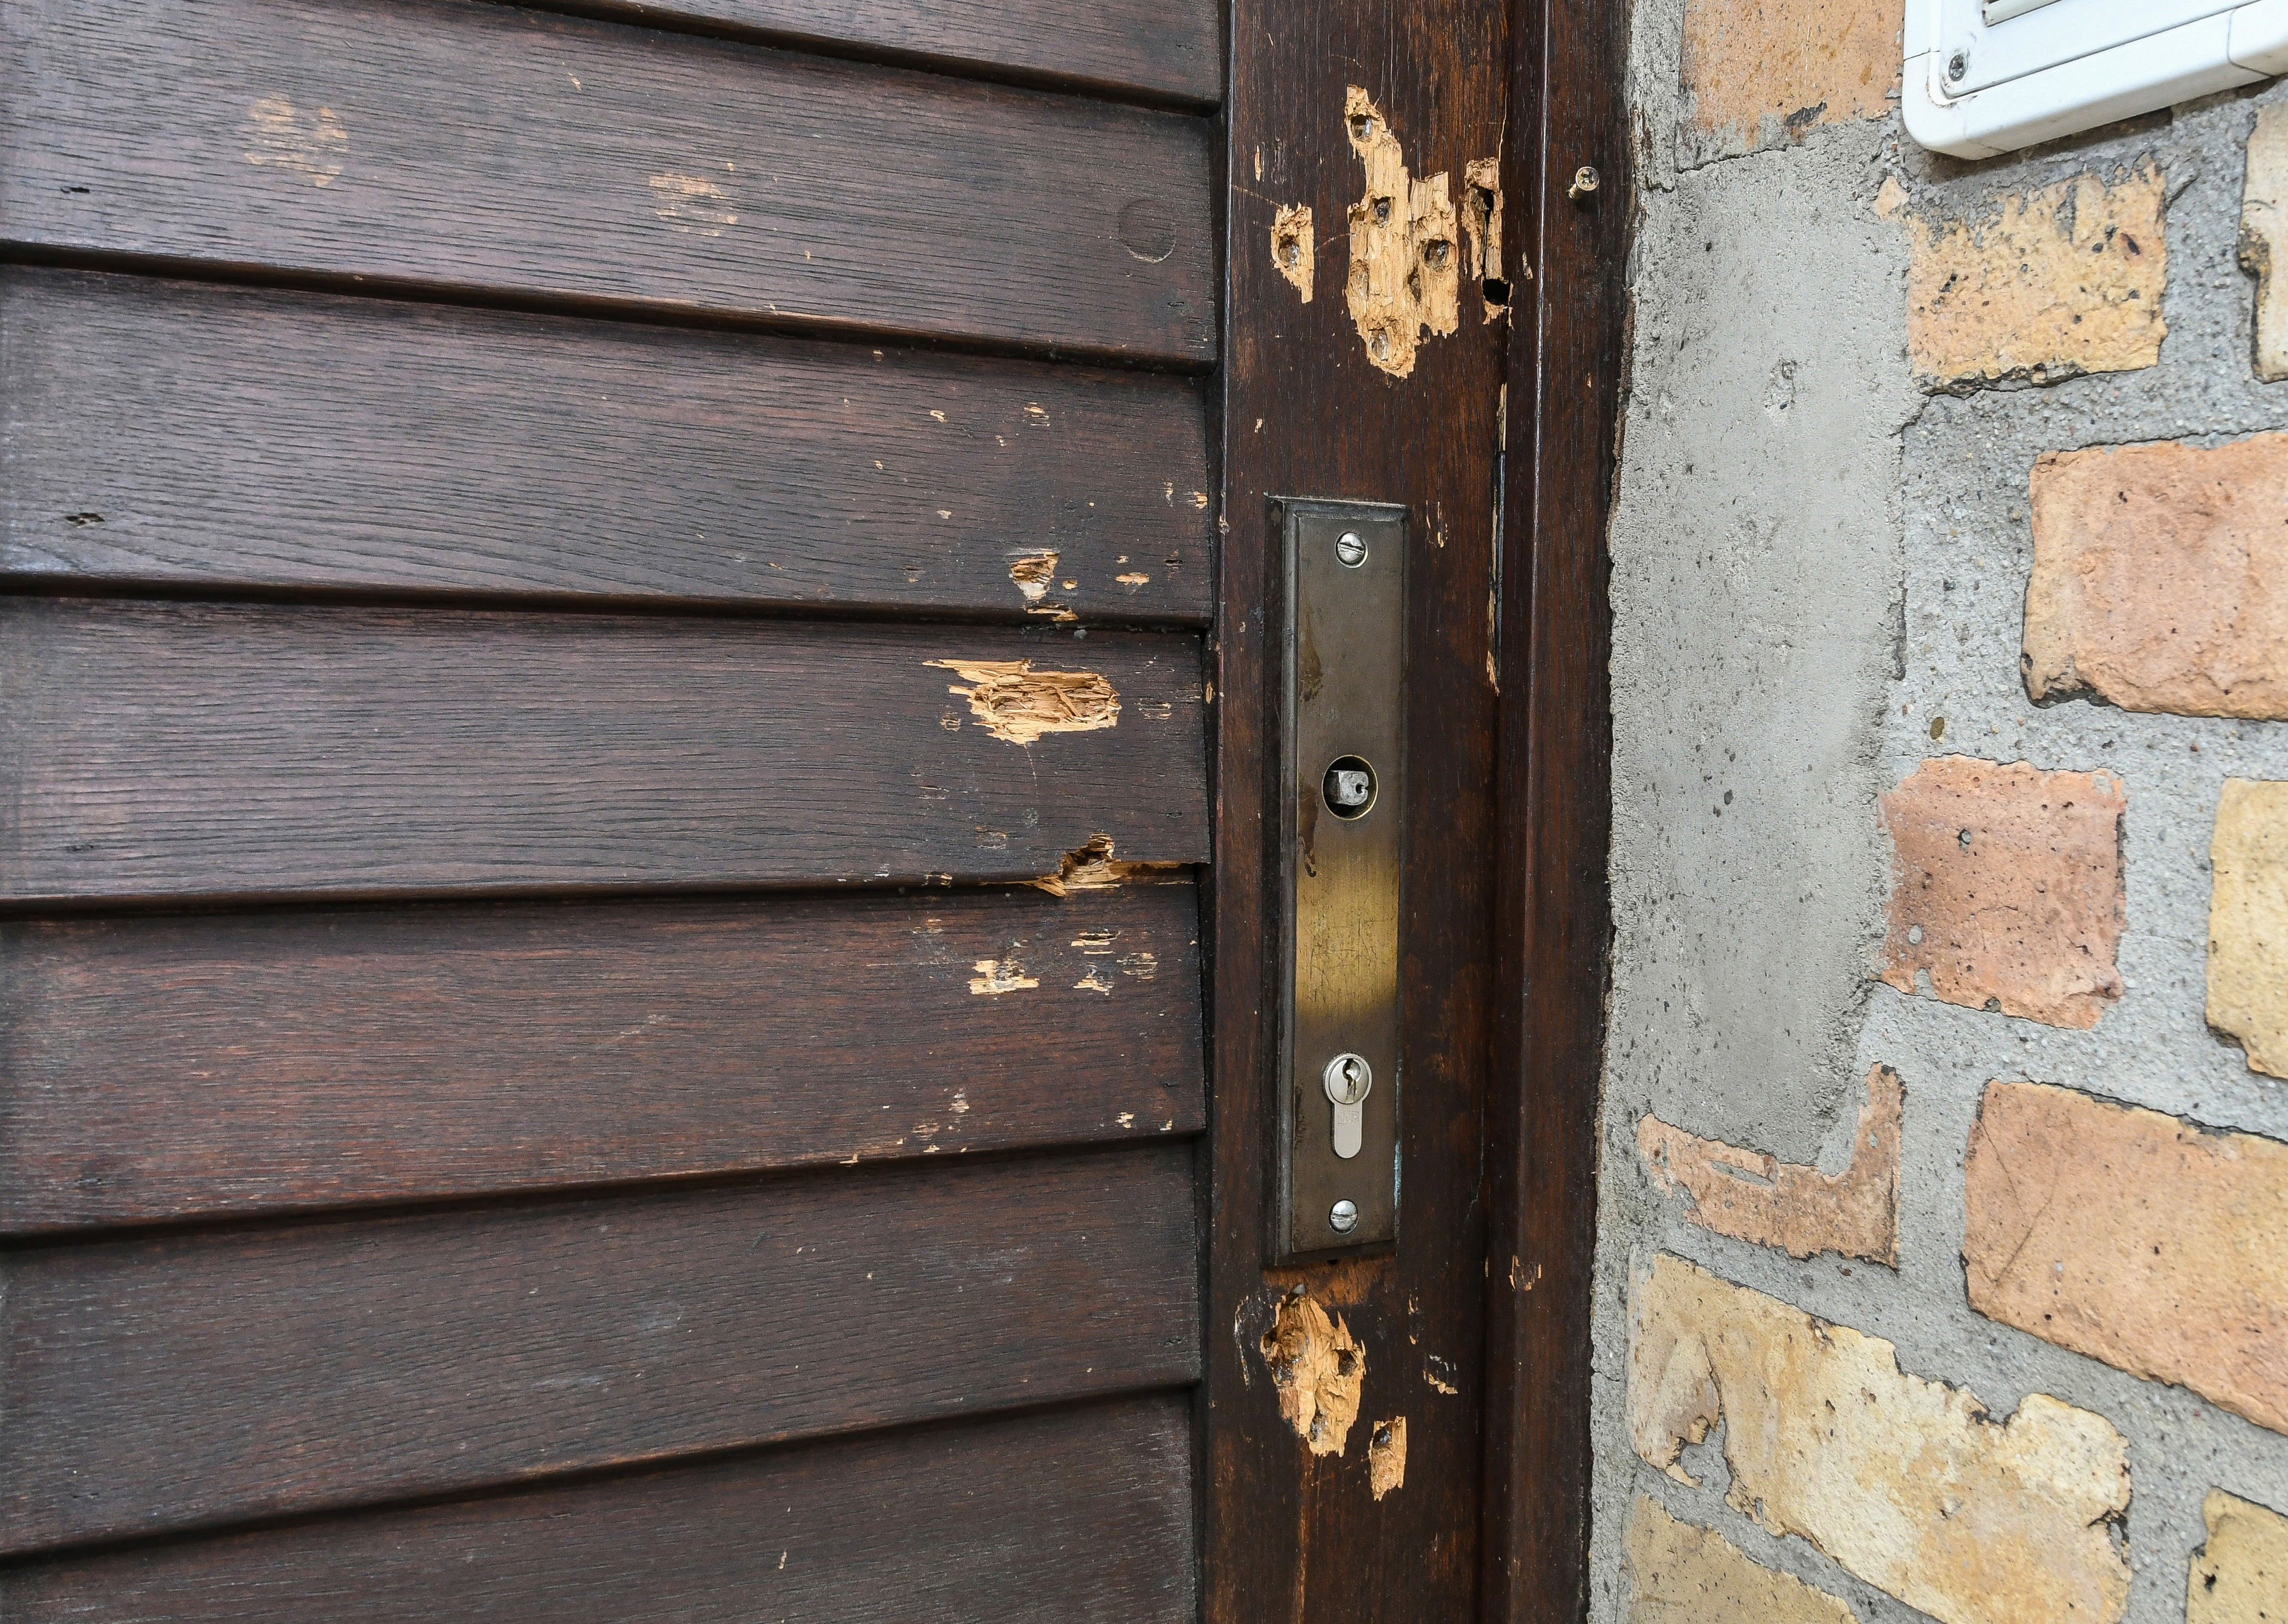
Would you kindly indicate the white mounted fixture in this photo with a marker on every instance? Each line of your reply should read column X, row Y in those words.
column 1985, row 78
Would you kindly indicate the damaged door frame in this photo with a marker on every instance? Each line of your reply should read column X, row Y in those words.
column 1568, row 348
column 1273, row 1545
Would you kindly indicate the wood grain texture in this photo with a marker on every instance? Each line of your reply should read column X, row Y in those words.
column 1290, row 1535
column 163, row 433
column 1565, row 357
column 476, row 147
column 244, row 1374
column 163, row 1068
column 1076, row 1514
column 184, row 749
column 1160, row 51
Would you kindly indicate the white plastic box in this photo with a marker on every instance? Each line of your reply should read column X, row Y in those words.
column 1984, row 77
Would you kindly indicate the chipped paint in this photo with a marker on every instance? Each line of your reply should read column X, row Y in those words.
column 1133, row 580
column 1295, row 248
column 1386, row 1456
column 1316, row 1368
column 691, row 205
column 1093, row 868
column 1405, row 275
column 1031, row 574
column 280, row 135
column 1482, row 228
column 1094, row 981
column 1018, row 704
column 995, row 977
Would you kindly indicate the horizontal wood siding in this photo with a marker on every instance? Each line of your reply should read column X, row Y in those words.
column 158, row 433
column 185, row 749
column 603, row 780
column 169, row 1382
column 470, row 146
column 1170, row 49
column 1078, row 1514
column 166, row 1067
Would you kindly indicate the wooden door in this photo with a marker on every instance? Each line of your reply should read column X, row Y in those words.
column 638, row 688
column 602, row 708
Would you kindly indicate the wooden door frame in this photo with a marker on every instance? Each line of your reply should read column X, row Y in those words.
column 1548, row 837
column 1569, row 69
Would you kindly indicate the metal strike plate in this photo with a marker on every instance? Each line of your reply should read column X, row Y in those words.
column 1342, row 835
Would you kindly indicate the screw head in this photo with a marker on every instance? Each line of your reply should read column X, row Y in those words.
column 1344, row 1215
column 1350, row 547
column 1585, row 180
column 1958, row 67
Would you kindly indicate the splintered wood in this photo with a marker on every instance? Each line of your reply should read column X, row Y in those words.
column 1294, row 247
column 1013, row 701
column 1317, row 1368
column 1405, row 276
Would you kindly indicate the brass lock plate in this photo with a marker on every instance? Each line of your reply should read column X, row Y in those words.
column 1342, row 824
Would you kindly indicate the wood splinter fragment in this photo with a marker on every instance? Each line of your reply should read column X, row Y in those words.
column 1093, row 866
column 1014, row 702
column 1294, row 247
column 1317, row 1368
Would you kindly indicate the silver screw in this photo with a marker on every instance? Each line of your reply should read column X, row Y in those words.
column 1351, row 548
column 1344, row 1216
column 1958, row 67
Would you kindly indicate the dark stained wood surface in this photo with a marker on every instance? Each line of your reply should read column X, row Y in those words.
column 1291, row 1536
column 170, row 1382
column 1080, row 1514
column 1565, row 360
column 470, row 146
column 1076, row 1514
column 220, row 441
column 185, row 749
column 154, row 1067
column 1168, row 51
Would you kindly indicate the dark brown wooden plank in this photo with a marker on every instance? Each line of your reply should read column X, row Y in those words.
column 169, row 433
column 159, row 1067
column 1556, row 807
column 186, row 749
column 1161, row 50
column 477, row 147
column 1291, row 1536
column 200, row 1379
column 1078, row 1514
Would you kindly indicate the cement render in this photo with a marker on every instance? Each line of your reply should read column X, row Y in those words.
column 1835, row 571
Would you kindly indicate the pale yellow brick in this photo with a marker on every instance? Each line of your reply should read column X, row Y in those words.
column 2160, row 578
column 1682, row 1574
column 2248, row 921
column 1765, row 72
column 2264, row 237
column 2241, row 1575
column 2151, row 1243
column 2064, row 280
column 1905, row 1482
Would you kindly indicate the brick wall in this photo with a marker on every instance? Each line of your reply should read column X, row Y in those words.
column 1943, row 1229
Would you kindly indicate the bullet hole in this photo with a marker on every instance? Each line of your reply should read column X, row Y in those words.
column 1497, row 290
column 1382, row 211
column 1434, row 252
column 1362, row 126
column 1965, row 839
